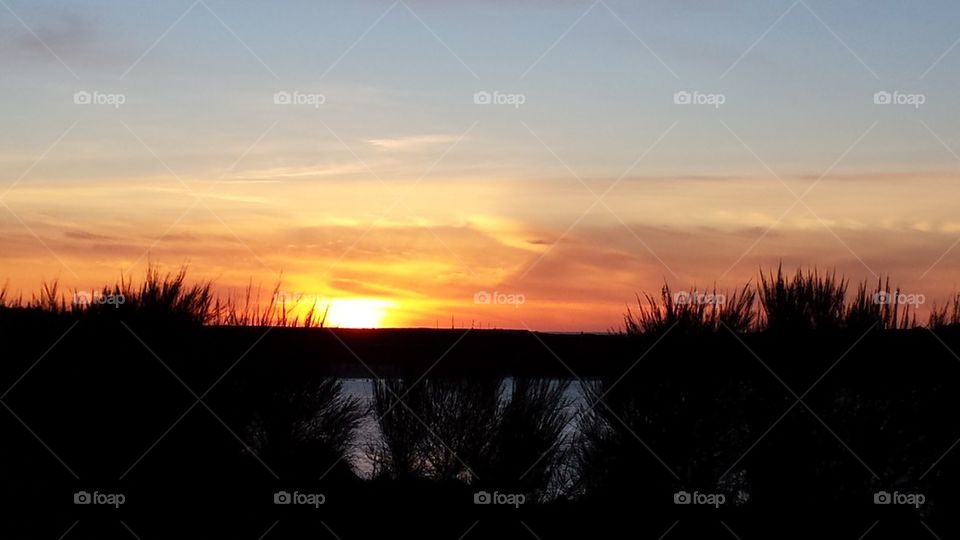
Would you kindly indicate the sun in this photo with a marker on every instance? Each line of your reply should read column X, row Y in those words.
column 357, row 312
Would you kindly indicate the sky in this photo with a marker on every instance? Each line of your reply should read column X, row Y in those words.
column 526, row 164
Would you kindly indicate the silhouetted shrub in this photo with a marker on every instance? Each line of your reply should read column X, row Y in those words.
column 308, row 430
column 506, row 435
column 396, row 454
column 164, row 299
column 881, row 308
column 530, row 440
column 809, row 301
column 691, row 312
column 437, row 428
column 945, row 315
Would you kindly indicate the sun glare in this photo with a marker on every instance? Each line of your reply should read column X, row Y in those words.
column 357, row 312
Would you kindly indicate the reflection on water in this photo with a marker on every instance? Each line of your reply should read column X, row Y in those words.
column 369, row 434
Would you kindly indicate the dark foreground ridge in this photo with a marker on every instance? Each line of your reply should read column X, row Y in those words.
column 139, row 424
column 207, row 425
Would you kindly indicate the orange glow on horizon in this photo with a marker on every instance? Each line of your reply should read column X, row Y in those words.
column 358, row 313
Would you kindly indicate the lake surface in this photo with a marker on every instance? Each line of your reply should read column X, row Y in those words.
column 369, row 433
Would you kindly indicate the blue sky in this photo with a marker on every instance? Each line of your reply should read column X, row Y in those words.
column 797, row 96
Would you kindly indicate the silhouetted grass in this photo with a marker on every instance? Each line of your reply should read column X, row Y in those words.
column 809, row 300
column 167, row 298
column 692, row 312
column 249, row 310
column 945, row 315
column 48, row 300
column 162, row 296
column 865, row 310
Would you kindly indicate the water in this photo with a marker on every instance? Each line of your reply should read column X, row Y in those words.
column 369, row 434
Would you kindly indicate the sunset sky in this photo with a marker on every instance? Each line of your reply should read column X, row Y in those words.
column 386, row 189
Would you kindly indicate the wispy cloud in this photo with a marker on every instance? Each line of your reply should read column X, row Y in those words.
column 414, row 143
